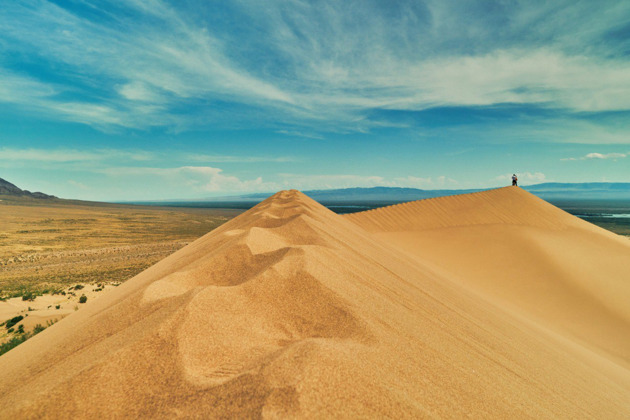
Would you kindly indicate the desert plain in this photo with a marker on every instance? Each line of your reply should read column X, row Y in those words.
column 486, row 305
column 54, row 251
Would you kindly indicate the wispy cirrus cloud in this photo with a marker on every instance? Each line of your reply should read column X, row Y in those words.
column 162, row 59
column 237, row 159
column 116, row 156
column 72, row 155
column 322, row 66
column 295, row 133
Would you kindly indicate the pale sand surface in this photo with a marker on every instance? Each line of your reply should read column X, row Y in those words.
column 292, row 310
column 524, row 255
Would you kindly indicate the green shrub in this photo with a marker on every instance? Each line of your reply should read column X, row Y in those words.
column 78, row 287
column 19, row 339
column 29, row 296
column 38, row 328
column 57, row 306
column 13, row 342
column 83, row 299
column 11, row 322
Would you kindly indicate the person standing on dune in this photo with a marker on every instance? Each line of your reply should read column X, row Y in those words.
column 514, row 180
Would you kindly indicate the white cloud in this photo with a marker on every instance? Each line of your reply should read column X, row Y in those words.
column 427, row 183
column 43, row 155
column 313, row 182
column 190, row 179
column 75, row 155
column 213, row 180
column 166, row 63
column 321, row 66
column 72, row 155
column 296, row 133
column 22, row 89
column 237, row 159
column 600, row 156
column 539, row 76
column 138, row 91
column 605, row 156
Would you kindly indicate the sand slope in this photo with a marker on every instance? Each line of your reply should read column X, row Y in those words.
column 292, row 310
column 525, row 255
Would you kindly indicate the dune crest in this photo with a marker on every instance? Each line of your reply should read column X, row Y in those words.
column 505, row 206
column 292, row 310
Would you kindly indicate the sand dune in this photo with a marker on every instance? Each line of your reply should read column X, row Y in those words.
column 526, row 256
column 292, row 310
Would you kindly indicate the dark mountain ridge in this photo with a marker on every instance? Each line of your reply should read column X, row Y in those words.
column 7, row 188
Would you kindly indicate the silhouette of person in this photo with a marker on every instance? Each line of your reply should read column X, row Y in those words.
column 514, row 180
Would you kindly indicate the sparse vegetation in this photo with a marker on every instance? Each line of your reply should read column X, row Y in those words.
column 48, row 247
column 22, row 336
column 58, row 247
column 11, row 322
column 13, row 342
column 29, row 296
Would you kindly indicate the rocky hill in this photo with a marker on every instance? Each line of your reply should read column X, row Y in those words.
column 6, row 188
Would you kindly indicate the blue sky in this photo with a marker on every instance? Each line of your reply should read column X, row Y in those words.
column 151, row 99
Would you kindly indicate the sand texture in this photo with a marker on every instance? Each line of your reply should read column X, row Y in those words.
column 290, row 310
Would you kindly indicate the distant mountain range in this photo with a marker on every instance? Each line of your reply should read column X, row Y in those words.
column 381, row 195
column 587, row 190
column 348, row 200
column 550, row 191
column 6, row 188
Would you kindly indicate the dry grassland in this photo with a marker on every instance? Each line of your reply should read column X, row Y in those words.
column 48, row 245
